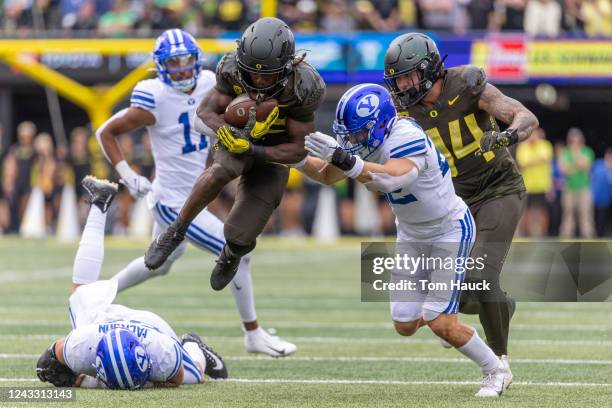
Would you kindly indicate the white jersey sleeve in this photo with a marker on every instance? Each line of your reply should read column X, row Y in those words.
column 164, row 351
column 145, row 96
column 405, row 140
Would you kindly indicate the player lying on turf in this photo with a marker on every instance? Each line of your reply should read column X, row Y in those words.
column 395, row 157
column 166, row 106
column 114, row 346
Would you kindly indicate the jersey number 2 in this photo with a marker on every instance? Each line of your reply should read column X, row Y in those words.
column 189, row 147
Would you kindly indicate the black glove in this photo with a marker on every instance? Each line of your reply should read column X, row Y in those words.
column 49, row 369
column 493, row 140
column 165, row 244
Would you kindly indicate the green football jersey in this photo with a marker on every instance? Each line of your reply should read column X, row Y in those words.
column 455, row 124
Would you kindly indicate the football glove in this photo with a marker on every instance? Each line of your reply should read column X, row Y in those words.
column 233, row 144
column 321, row 145
column 137, row 185
column 237, row 140
column 493, row 140
column 260, row 129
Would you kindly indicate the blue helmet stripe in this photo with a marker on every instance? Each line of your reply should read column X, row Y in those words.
column 115, row 353
column 172, row 37
column 111, row 354
column 348, row 97
column 124, row 366
column 179, row 36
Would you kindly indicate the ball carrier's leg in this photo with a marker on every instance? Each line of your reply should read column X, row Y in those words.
column 259, row 193
column 225, row 168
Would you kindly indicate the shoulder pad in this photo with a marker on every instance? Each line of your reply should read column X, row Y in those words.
column 227, row 75
column 309, row 86
column 475, row 79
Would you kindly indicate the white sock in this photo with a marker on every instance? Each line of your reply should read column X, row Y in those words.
column 90, row 255
column 197, row 356
column 133, row 274
column 244, row 296
column 478, row 351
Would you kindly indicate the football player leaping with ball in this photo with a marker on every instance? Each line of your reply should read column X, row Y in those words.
column 396, row 158
column 112, row 346
column 165, row 106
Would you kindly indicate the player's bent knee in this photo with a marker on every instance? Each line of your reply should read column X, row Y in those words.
column 406, row 328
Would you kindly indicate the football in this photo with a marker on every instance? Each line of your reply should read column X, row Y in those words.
column 237, row 112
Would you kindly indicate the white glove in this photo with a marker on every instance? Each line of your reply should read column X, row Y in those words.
column 321, row 145
column 137, row 185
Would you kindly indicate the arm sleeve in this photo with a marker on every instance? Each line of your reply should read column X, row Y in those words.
column 143, row 97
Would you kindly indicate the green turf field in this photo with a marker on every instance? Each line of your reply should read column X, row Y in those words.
column 348, row 353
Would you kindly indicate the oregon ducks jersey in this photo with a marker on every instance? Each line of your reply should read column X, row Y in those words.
column 298, row 100
column 456, row 124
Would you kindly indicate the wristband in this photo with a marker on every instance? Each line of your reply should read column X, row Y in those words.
column 343, row 160
column 124, row 169
column 357, row 168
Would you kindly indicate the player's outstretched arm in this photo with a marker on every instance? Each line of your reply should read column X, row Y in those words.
column 125, row 121
column 320, row 171
column 509, row 111
column 387, row 177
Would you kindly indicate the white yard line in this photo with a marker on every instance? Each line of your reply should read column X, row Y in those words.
column 344, row 340
column 371, row 382
column 16, row 356
column 398, row 382
column 325, row 325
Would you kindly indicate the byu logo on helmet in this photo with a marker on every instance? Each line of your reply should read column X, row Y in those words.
column 367, row 105
column 363, row 117
column 141, row 358
column 121, row 361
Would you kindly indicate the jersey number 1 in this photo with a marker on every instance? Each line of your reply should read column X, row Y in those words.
column 189, row 147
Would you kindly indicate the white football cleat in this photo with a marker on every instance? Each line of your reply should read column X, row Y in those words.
column 506, row 363
column 494, row 383
column 260, row 341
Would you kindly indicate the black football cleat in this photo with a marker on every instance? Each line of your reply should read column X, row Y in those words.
column 215, row 367
column 101, row 193
column 163, row 246
column 225, row 269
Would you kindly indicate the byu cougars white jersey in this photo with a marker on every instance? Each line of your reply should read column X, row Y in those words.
column 166, row 353
column 178, row 150
column 430, row 201
column 92, row 314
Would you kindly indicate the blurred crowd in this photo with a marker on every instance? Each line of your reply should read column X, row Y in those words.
column 569, row 190
column 120, row 18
